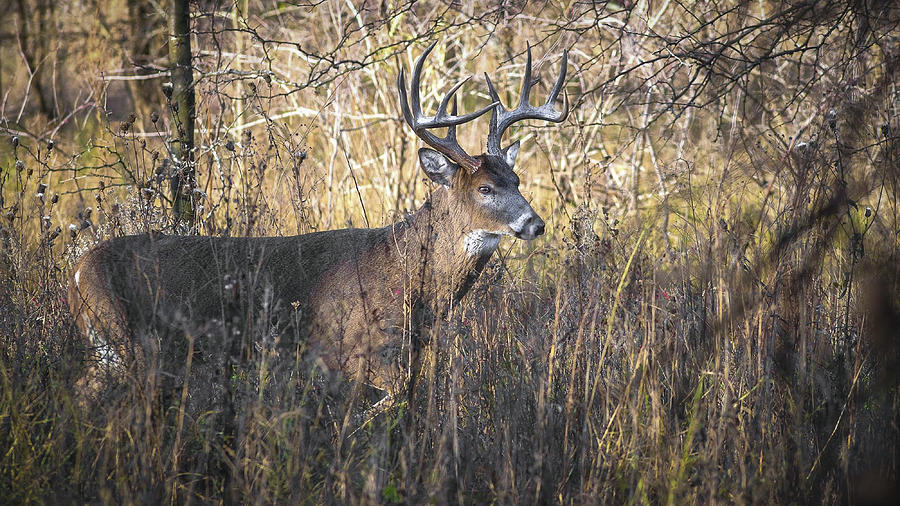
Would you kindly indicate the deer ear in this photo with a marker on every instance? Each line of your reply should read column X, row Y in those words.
column 510, row 154
column 437, row 166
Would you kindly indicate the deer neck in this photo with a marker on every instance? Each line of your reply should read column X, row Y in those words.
column 443, row 251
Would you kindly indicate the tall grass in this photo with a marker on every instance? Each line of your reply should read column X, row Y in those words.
column 712, row 317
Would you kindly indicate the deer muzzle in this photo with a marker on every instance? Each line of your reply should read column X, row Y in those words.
column 527, row 226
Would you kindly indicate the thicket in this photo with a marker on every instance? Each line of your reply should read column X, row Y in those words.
column 713, row 315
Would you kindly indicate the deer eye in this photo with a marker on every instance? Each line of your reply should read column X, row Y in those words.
column 485, row 189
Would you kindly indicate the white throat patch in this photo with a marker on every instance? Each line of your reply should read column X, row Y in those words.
column 480, row 243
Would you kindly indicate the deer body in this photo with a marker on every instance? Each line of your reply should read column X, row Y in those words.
column 346, row 297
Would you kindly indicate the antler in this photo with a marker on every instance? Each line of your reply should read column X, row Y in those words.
column 502, row 118
column 420, row 123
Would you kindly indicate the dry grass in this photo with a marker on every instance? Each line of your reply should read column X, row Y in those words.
column 712, row 317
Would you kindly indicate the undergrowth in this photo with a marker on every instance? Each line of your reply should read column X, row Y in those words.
column 712, row 316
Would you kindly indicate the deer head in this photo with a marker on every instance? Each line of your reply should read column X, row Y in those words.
column 488, row 190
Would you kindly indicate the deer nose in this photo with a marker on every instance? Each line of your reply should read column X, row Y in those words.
column 534, row 226
column 528, row 226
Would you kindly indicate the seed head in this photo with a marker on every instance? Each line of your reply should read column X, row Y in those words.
column 831, row 117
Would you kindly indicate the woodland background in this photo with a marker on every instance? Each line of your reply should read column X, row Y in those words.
column 712, row 316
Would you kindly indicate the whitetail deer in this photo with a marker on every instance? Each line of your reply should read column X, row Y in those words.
column 346, row 296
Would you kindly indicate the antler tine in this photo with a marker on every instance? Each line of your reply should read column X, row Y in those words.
column 404, row 102
column 560, row 82
column 526, row 80
column 451, row 130
column 416, row 76
column 502, row 118
column 412, row 112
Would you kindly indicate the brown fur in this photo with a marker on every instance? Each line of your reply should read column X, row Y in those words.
column 348, row 295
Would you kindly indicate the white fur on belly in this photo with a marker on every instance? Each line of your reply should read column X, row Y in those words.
column 103, row 351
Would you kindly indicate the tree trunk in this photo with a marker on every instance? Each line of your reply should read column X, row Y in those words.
column 34, row 36
column 182, row 105
column 141, row 52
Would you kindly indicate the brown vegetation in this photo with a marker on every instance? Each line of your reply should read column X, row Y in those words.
column 712, row 315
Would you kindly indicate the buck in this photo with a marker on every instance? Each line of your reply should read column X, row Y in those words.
column 346, row 297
